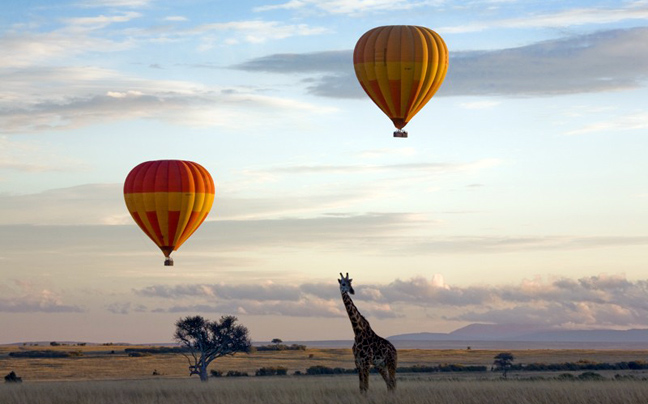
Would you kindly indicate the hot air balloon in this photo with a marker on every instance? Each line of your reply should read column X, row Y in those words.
column 168, row 200
column 400, row 67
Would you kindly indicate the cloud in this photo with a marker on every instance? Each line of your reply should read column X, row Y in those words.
column 126, row 308
column 92, row 23
column 29, row 156
column 31, row 299
column 80, row 205
column 351, row 7
column 114, row 3
column 559, row 302
column 77, row 97
column 429, row 168
column 311, row 300
column 265, row 292
column 479, row 104
column 255, row 31
column 636, row 10
column 596, row 301
column 632, row 121
column 34, row 49
column 602, row 61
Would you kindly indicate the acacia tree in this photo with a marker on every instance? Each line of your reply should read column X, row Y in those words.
column 503, row 361
column 207, row 340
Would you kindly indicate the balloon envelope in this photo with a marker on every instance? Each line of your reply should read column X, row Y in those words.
column 169, row 199
column 400, row 67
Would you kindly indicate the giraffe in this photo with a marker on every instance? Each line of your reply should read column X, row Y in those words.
column 368, row 348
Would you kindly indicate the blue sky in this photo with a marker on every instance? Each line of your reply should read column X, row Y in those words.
column 519, row 196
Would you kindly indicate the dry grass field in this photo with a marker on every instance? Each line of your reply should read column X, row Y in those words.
column 99, row 363
column 325, row 390
column 100, row 376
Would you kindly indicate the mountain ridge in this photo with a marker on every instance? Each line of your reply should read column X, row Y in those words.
column 519, row 332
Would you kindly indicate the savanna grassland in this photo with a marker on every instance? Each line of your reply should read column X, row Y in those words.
column 108, row 375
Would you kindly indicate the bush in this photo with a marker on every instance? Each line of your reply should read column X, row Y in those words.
column 236, row 373
column 590, row 376
column 138, row 354
column 281, row 347
column 216, row 373
column 324, row 370
column 45, row 354
column 272, row 371
column 157, row 350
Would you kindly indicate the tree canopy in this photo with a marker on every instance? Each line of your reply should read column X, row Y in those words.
column 208, row 340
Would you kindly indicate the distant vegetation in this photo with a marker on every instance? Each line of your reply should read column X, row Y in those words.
column 280, row 347
column 45, row 354
column 157, row 350
column 580, row 365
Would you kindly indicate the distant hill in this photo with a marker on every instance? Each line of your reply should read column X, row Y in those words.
column 516, row 332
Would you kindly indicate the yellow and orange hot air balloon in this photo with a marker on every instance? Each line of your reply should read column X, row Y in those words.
column 400, row 67
column 168, row 200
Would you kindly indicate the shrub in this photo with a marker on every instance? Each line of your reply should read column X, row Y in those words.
column 45, row 354
column 281, row 347
column 590, row 376
column 272, row 371
column 157, row 350
column 138, row 354
column 216, row 373
column 236, row 373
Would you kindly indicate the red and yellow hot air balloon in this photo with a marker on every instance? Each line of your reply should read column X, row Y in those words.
column 400, row 67
column 168, row 200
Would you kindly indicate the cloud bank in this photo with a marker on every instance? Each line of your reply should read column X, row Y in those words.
column 598, row 301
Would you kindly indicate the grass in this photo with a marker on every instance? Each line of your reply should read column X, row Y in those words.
column 326, row 390
column 107, row 375
column 98, row 363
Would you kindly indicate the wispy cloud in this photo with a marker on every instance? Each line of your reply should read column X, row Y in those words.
column 25, row 297
column 101, row 21
column 351, row 7
column 625, row 122
column 430, row 168
column 256, row 31
column 125, row 308
column 30, row 156
column 75, row 97
column 115, row 3
column 637, row 10
column 603, row 61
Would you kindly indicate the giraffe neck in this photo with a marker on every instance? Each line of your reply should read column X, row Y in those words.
column 359, row 324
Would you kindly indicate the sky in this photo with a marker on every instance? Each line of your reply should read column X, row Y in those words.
column 519, row 197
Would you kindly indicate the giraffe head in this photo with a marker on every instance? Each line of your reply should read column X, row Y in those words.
column 345, row 284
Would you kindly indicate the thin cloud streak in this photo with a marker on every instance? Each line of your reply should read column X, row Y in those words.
column 603, row 61
column 349, row 7
column 636, row 10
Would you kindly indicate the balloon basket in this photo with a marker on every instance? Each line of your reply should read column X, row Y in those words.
column 400, row 133
column 168, row 262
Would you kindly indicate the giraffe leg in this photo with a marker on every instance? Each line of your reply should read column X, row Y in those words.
column 391, row 369
column 363, row 374
column 389, row 376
